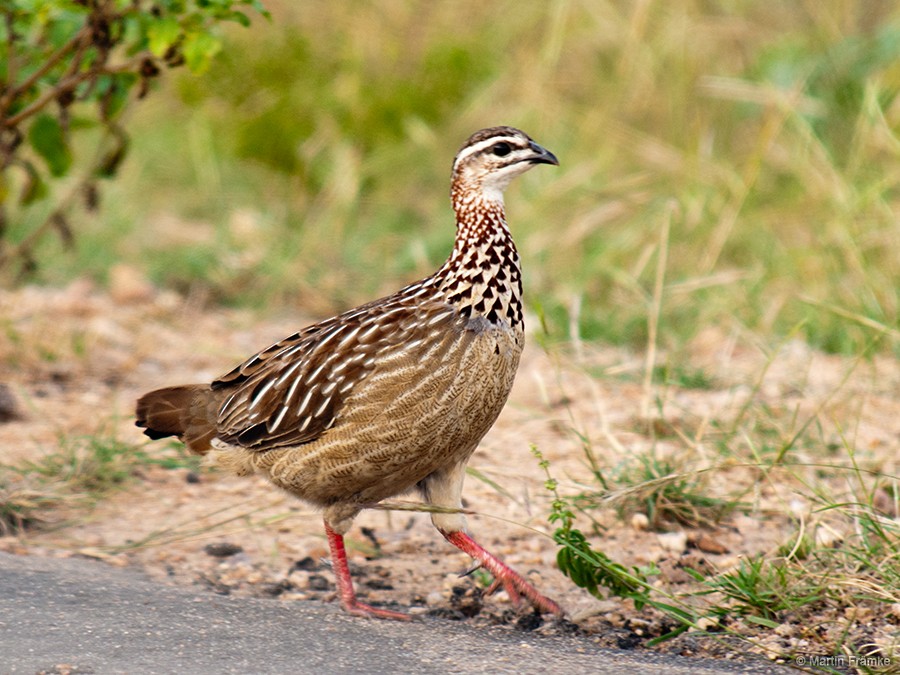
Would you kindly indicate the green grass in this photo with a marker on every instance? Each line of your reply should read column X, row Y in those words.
column 759, row 589
column 829, row 573
column 665, row 490
column 309, row 166
column 78, row 473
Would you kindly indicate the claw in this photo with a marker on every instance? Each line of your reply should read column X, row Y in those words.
column 514, row 583
column 474, row 568
column 361, row 609
column 490, row 590
column 514, row 597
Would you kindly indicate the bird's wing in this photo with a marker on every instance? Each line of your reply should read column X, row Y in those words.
column 293, row 391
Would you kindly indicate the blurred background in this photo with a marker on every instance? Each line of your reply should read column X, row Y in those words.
column 755, row 144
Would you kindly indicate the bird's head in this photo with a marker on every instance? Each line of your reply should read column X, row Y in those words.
column 491, row 158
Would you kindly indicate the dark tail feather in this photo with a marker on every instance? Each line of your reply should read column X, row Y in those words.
column 178, row 411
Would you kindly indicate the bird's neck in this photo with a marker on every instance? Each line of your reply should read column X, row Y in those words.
column 482, row 276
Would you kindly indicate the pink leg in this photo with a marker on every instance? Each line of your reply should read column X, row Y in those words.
column 513, row 582
column 345, row 583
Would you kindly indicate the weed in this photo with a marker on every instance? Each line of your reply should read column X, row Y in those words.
column 23, row 507
column 762, row 588
column 91, row 466
column 842, row 560
column 586, row 567
column 82, row 471
column 665, row 492
column 680, row 375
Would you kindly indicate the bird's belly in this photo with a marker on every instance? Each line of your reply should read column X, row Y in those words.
column 404, row 423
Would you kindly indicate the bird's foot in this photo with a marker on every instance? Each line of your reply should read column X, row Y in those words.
column 357, row 608
column 341, row 568
column 513, row 583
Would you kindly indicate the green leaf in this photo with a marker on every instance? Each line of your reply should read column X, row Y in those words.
column 116, row 89
column 162, row 34
column 112, row 158
column 768, row 623
column 34, row 188
column 668, row 636
column 199, row 48
column 237, row 16
column 48, row 140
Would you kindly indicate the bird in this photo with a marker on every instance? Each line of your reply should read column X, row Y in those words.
column 388, row 397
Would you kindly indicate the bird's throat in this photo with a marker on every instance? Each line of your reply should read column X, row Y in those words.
column 483, row 276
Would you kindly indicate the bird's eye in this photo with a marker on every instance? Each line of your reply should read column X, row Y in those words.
column 501, row 149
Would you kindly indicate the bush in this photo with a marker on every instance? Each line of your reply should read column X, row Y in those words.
column 71, row 68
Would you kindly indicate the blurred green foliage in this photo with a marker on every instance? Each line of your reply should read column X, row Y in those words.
column 310, row 165
column 74, row 65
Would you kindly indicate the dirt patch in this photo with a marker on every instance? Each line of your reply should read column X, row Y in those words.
column 75, row 359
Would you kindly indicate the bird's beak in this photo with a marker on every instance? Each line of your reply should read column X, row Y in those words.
column 541, row 155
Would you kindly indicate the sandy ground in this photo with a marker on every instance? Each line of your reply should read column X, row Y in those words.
column 75, row 359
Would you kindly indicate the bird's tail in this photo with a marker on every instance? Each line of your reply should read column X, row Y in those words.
column 182, row 411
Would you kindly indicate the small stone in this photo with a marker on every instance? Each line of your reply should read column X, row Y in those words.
column 675, row 542
column 728, row 563
column 307, row 564
column 293, row 595
column 785, row 630
column 707, row 623
column 222, row 549
column 706, row 543
column 9, row 407
column 530, row 622
column 826, row 537
column 798, row 507
column 640, row 522
column 596, row 608
column 318, row 583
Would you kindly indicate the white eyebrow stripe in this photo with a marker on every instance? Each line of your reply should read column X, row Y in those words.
column 484, row 145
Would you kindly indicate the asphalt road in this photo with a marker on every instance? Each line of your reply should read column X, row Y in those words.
column 81, row 616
